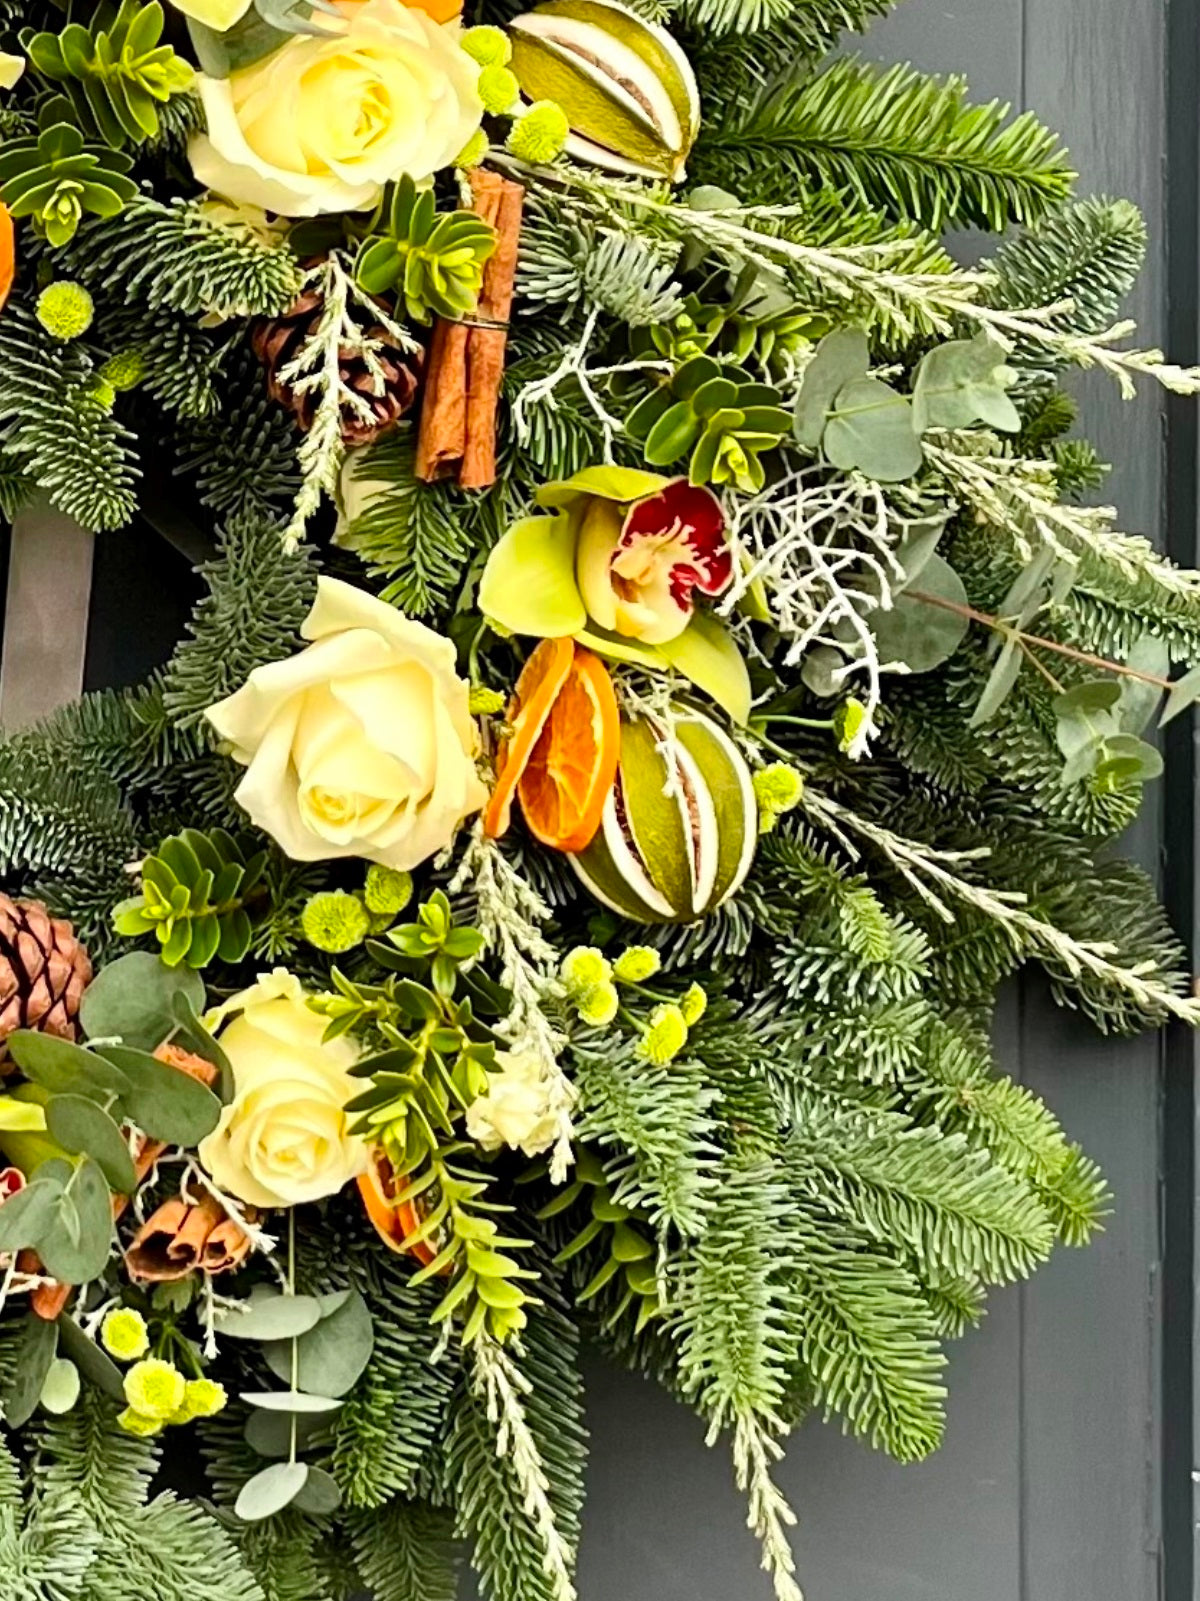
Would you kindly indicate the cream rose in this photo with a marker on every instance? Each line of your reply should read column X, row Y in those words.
column 324, row 122
column 284, row 1138
column 516, row 1110
column 361, row 745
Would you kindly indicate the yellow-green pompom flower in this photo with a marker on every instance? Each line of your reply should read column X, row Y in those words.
column 583, row 968
column 202, row 1398
column 124, row 1334
column 473, row 152
column 484, row 702
column 849, row 722
column 778, row 788
column 489, row 46
column 155, row 1388
column 125, row 370
column 540, row 134
column 138, row 1423
column 666, row 1034
column 65, row 310
column 693, row 1003
column 636, row 964
column 387, row 890
column 598, row 1006
column 335, row 921
column 498, row 89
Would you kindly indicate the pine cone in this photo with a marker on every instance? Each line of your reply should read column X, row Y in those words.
column 277, row 340
column 44, row 971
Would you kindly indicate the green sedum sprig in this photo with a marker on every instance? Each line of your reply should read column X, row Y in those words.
column 56, row 178
column 197, row 899
column 434, row 262
column 112, row 79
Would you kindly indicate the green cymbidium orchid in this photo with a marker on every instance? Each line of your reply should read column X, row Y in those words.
column 615, row 565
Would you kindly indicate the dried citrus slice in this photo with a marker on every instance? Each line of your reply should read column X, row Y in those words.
column 395, row 1223
column 542, row 676
column 570, row 771
column 8, row 253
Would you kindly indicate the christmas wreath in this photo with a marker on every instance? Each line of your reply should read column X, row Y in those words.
column 662, row 668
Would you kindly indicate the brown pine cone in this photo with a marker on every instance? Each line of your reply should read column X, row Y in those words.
column 44, row 971
column 277, row 340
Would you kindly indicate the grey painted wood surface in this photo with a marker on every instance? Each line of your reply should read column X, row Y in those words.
column 1046, row 1487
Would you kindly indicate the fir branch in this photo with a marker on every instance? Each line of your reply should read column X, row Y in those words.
column 936, row 876
column 258, row 597
column 55, row 428
column 414, row 536
column 405, row 1552
column 656, row 1127
column 186, row 257
column 894, row 138
column 500, row 1478
column 1084, row 257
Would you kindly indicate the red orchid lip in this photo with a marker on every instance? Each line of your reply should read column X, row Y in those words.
column 12, row 1181
column 695, row 514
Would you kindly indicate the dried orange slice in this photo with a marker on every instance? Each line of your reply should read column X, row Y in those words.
column 395, row 1224
column 542, row 676
column 572, row 767
column 8, row 253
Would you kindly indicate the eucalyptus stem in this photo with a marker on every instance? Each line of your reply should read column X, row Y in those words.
column 998, row 625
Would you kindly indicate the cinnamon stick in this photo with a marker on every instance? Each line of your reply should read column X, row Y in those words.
column 466, row 362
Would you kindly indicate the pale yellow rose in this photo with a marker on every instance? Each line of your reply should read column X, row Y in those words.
column 516, row 1110
column 219, row 15
column 323, row 123
column 362, row 745
column 285, row 1137
column 11, row 69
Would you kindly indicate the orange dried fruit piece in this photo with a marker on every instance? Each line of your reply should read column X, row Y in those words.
column 541, row 678
column 395, row 1222
column 8, row 253
column 571, row 769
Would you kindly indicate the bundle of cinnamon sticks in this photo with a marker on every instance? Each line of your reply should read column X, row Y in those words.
column 465, row 366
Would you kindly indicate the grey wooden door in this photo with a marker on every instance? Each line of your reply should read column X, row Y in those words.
column 1047, row 1488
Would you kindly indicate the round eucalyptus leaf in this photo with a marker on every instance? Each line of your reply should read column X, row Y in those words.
column 80, row 1125
column 871, row 431
column 841, row 357
column 270, row 1433
column 63, row 1068
column 30, row 1365
column 320, row 1494
column 76, row 1245
column 270, row 1315
column 270, row 1491
column 819, row 669
column 330, row 1356
column 60, row 1388
column 26, row 1216
column 917, row 632
column 290, row 1401
column 165, row 1102
column 132, row 1000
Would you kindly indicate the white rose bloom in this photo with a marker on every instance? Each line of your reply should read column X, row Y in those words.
column 361, row 745
column 322, row 123
column 516, row 1110
column 284, row 1138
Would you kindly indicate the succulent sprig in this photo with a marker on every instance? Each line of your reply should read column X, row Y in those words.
column 112, row 79
column 433, row 260
column 197, row 898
